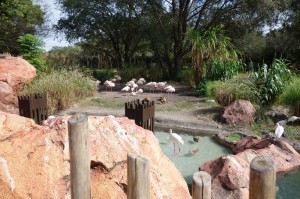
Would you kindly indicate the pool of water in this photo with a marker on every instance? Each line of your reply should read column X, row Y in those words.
column 186, row 162
column 207, row 149
column 289, row 186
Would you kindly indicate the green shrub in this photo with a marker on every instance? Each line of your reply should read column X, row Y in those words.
column 63, row 88
column 234, row 89
column 211, row 86
column 291, row 96
column 103, row 75
column 219, row 69
column 270, row 81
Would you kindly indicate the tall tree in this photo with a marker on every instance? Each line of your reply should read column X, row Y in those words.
column 117, row 22
column 17, row 18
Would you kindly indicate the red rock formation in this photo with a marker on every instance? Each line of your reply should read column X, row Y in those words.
column 230, row 174
column 14, row 72
column 34, row 160
column 240, row 112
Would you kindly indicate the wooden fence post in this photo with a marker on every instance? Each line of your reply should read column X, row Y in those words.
column 138, row 177
column 79, row 157
column 201, row 188
column 262, row 178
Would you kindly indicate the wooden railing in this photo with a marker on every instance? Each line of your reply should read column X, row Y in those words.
column 34, row 107
column 262, row 171
column 142, row 112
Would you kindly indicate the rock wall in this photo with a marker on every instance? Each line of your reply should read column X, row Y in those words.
column 34, row 160
column 14, row 73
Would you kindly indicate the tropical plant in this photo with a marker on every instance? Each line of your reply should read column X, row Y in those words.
column 63, row 88
column 291, row 96
column 270, row 81
column 209, row 46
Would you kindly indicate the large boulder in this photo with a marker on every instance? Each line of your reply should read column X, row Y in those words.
column 34, row 160
column 230, row 174
column 14, row 73
column 240, row 112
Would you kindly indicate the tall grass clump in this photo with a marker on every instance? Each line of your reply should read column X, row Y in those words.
column 63, row 88
column 291, row 96
column 235, row 89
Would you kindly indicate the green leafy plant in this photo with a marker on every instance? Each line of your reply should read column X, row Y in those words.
column 270, row 81
column 63, row 88
column 31, row 48
column 219, row 69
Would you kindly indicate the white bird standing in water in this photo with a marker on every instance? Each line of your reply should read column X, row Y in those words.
column 175, row 138
column 278, row 131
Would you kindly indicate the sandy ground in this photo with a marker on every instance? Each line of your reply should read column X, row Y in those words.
column 181, row 110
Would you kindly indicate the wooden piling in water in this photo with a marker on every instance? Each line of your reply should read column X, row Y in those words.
column 201, row 185
column 138, row 177
column 79, row 157
column 262, row 178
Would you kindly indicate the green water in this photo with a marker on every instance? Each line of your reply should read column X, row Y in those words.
column 289, row 186
column 186, row 162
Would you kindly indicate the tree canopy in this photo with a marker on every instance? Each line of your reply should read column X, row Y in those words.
column 17, row 18
column 124, row 29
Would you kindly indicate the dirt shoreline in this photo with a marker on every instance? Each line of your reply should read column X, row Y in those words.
column 182, row 111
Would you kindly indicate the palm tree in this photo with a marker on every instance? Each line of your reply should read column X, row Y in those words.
column 207, row 45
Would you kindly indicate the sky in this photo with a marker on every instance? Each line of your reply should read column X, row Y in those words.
column 54, row 15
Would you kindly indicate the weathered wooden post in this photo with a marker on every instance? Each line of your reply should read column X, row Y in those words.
column 138, row 177
column 79, row 157
column 201, row 185
column 262, row 178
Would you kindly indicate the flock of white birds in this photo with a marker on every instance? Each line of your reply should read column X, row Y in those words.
column 134, row 86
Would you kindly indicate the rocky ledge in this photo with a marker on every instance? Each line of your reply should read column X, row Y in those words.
column 34, row 159
column 230, row 174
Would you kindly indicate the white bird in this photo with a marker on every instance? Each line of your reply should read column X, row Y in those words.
column 151, row 86
column 140, row 91
column 171, row 90
column 106, row 83
column 110, row 85
column 278, row 131
column 161, row 85
column 125, row 89
column 293, row 119
column 175, row 138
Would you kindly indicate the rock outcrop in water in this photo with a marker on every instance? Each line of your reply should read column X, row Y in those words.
column 230, row 174
column 34, row 160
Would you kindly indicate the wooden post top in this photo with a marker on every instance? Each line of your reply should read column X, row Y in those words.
column 77, row 119
column 262, row 164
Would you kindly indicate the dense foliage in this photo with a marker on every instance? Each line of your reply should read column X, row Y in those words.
column 17, row 18
column 31, row 49
column 63, row 88
column 124, row 32
column 271, row 80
